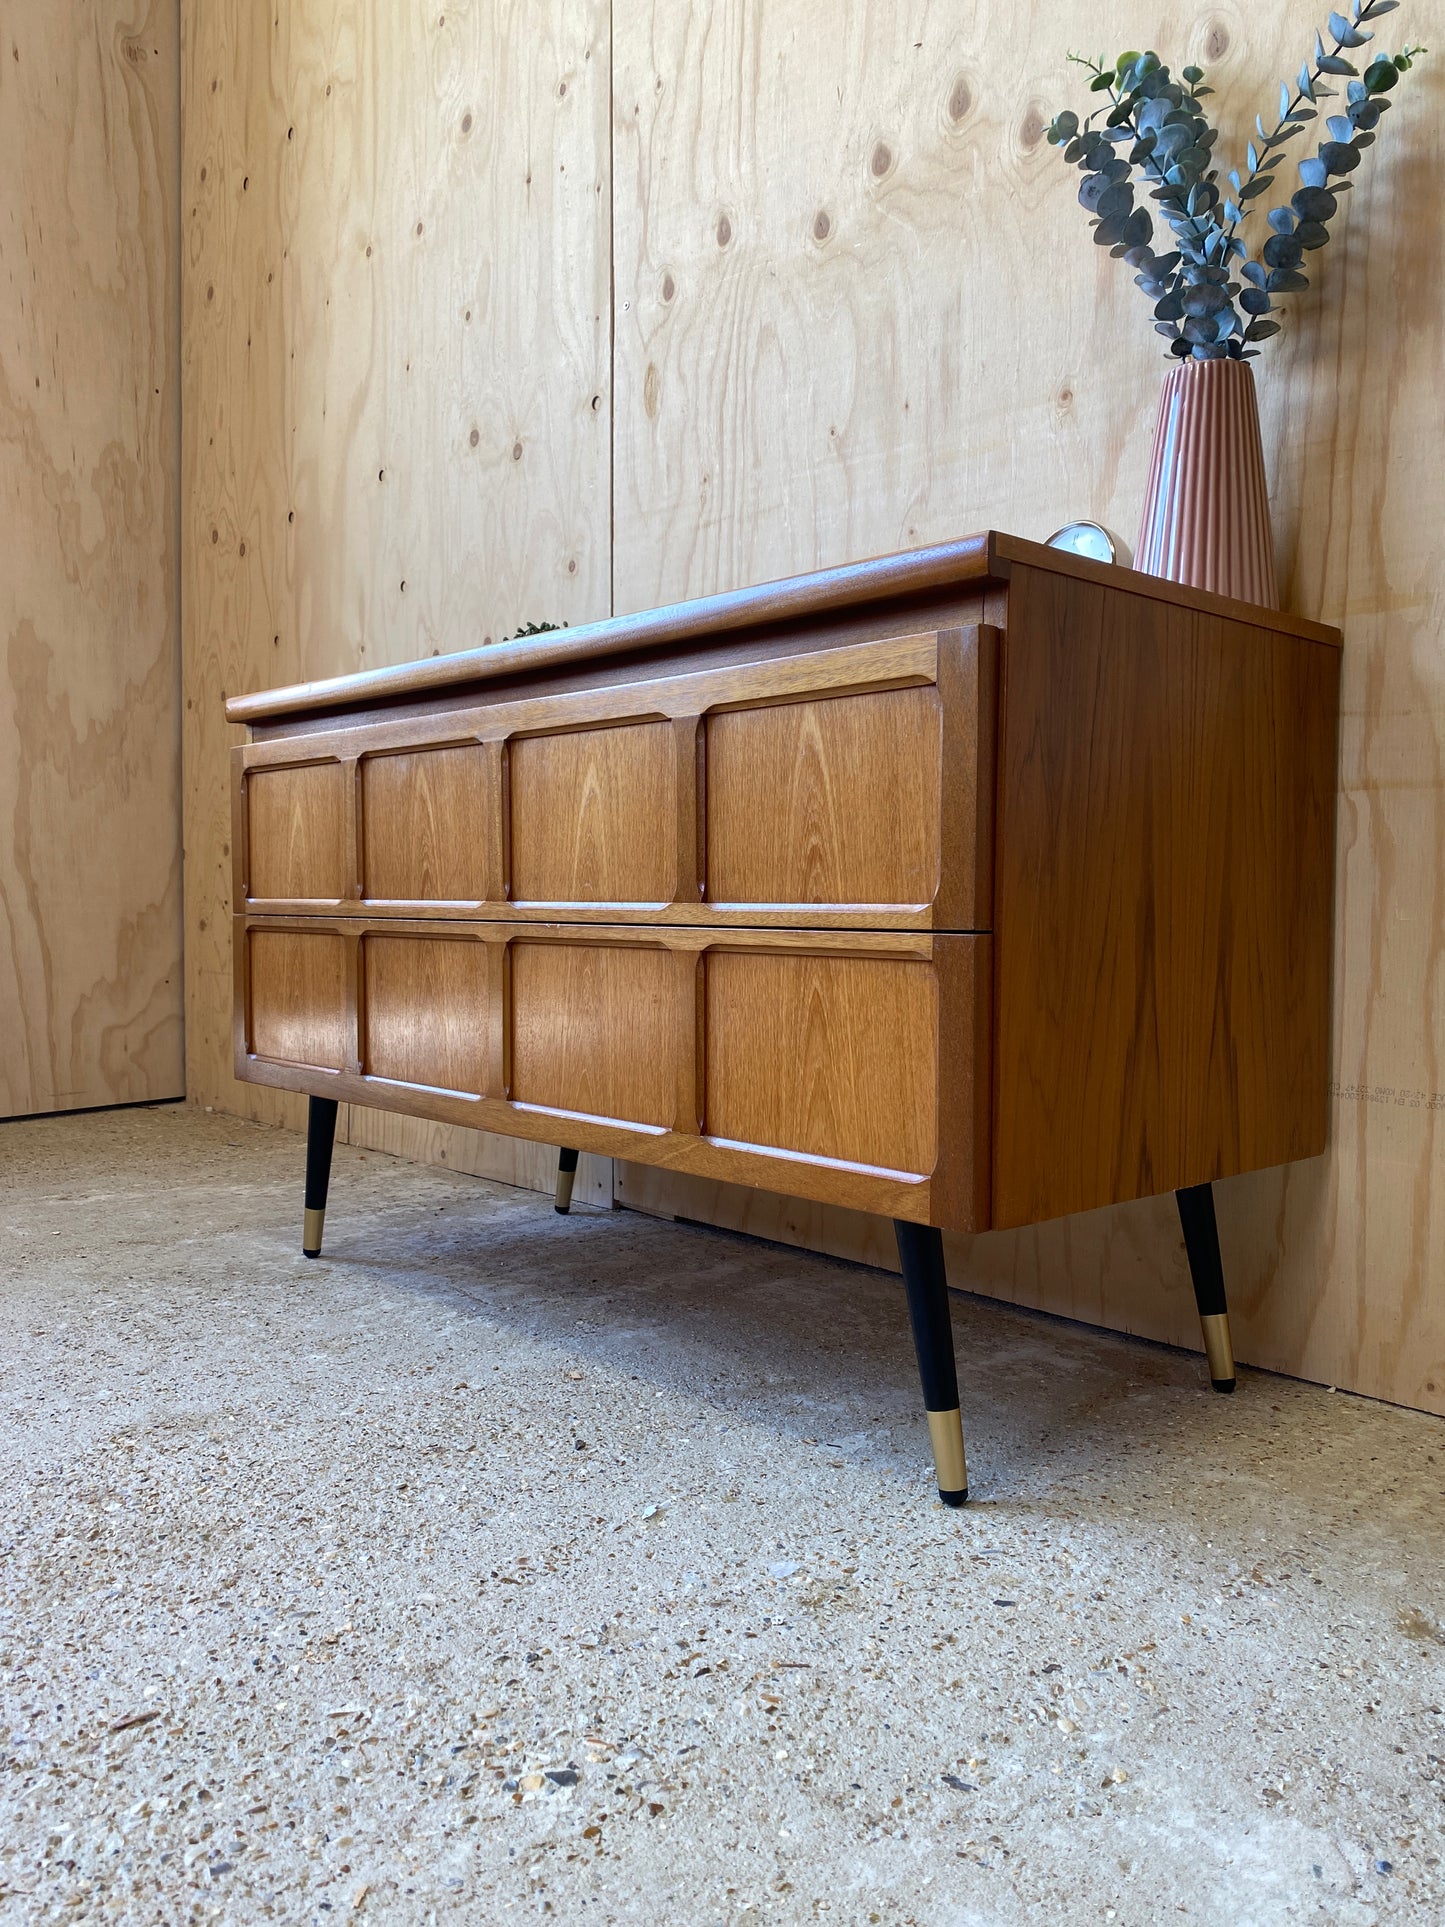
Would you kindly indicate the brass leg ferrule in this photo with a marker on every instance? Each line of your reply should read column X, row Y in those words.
column 1218, row 1350
column 945, row 1430
column 311, row 1233
column 565, row 1181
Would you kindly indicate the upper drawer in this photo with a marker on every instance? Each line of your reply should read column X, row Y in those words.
column 848, row 785
column 835, row 800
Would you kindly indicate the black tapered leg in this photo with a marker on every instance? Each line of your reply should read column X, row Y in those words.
column 566, row 1174
column 1206, row 1268
column 920, row 1247
column 320, row 1137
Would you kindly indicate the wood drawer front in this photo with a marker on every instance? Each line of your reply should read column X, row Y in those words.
column 856, row 1081
column 849, row 786
column 848, row 1066
column 594, row 816
column 594, row 1030
column 299, row 1006
column 425, row 1011
column 425, row 817
column 829, row 802
column 296, row 832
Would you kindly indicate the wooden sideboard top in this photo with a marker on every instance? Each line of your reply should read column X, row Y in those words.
column 974, row 562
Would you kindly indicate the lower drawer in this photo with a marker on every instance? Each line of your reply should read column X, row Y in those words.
column 846, row 1066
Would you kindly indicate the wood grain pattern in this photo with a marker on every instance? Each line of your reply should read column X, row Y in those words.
column 916, row 577
column 595, row 1030
column 826, row 802
column 594, row 816
column 604, row 1041
column 902, row 338
column 296, row 832
column 858, row 1080
column 425, row 825
column 867, row 363
column 1163, row 899
column 396, row 416
column 90, row 860
column 298, row 1005
column 425, row 1012
column 750, row 784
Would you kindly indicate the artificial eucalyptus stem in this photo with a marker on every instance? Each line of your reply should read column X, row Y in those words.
column 1198, row 306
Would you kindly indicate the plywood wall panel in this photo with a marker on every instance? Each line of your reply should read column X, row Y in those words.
column 90, row 861
column 395, row 374
column 857, row 309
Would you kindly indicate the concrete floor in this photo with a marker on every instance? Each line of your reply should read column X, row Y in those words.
column 503, row 1565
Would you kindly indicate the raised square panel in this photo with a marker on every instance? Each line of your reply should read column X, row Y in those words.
column 424, row 826
column 827, row 802
column 594, row 816
column 296, row 833
column 298, row 998
column 426, row 1011
column 833, row 1057
column 594, row 1030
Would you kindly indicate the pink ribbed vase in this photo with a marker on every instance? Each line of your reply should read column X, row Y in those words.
column 1206, row 510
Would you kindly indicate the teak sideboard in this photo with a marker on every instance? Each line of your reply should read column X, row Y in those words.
column 972, row 886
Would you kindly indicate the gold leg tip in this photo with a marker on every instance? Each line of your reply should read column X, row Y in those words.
column 311, row 1234
column 945, row 1431
column 1218, row 1350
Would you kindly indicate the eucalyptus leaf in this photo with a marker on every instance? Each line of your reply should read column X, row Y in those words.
column 1205, row 299
column 1313, row 173
column 1281, row 251
column 1281, row 220
column 1312, row 234
column 1261, row 330
column 1314, row 204
column 1092, row 190
column 1339, row 157
column 1255, row 301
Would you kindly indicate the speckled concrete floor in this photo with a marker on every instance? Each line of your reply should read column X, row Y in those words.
column 504, row 1565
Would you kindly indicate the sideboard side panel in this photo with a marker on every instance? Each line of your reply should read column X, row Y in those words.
column 1163, row 898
